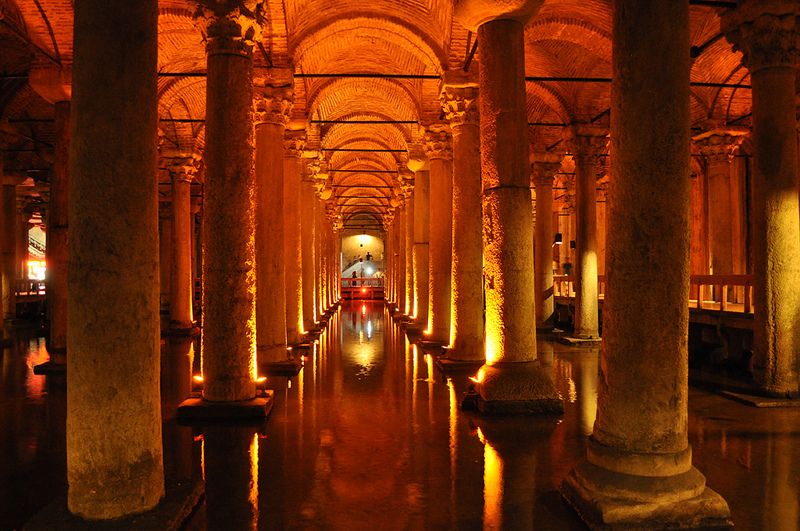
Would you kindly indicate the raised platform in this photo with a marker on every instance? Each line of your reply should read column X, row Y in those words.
column 761, row 401
column 281, row 368
column 180, row 499
column 181, row 332
column 579, row 341
column 49, row 367
column 198, row 409
column 451, row 366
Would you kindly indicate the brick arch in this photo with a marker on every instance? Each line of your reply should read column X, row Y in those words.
column 339, row 97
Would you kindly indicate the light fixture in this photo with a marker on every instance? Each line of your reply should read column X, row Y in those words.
column 559, row 239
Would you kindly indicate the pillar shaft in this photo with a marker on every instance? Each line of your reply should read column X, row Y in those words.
column 293, row 146
column 57, row 250
column 113, row 324
column 460, row 103
column 768, row 39
column 229, row 275
column 410, row 295
column 9, row 250
column 400, row 271
column 544, row 168
column 307, row 252
column 438, row 145
column 421, row 245
column 181, row 289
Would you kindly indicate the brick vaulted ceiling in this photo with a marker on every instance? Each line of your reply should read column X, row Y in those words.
column 568, row 40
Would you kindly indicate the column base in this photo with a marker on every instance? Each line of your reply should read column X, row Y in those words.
column 580, row 341
column 180, row 499
column 514, row 388
column 178, row 331
column 448, row 365
column 608, row 500
column 50, row 367
column 432, row 347
column 281, row 368
column 196, row 408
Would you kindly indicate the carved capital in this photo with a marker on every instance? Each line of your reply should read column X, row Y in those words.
column 182, row 167
column 273, row 104
column 474, row 13
column 766, row 32
column 438, row 143
column 459, row 98
column 294, row 143
column 586, row 141
column 230, row 27
column 544, row 167
column 718, row 146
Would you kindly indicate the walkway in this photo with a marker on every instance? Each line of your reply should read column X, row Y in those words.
column 370, row 437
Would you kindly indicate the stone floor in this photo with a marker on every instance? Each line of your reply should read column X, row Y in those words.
column 370, row 436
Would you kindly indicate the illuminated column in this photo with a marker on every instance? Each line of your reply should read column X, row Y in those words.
column 294, row 142
column 113, row 325
column 512, row 380
column 638, row 469
column 319, row 214
column 766, row 33
column 400, row 271
column 440, row 154
column 9, row 250
column 717, row 148
column 308, row 253
column 545, row 166
column 411, row 295
column 416, row 187
column 273, row 103
column 587, row 142
column 181, row 170
column 388, row 256
column 229, row 276
column 55, row 86
column 459, row 98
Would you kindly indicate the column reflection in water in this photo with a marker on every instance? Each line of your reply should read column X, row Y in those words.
column 231, row 461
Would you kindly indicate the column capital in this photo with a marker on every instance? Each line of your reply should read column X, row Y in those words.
column 230, row 27
column 294, row 143
column 52, row 82
column 182, row 167
column 438, row 143
column 417, row 159
column 765, row 31
column 718, row 145
column 474, row 13
column 458, row 95
column 544, row 166
column 272, row 100
column 585, row 140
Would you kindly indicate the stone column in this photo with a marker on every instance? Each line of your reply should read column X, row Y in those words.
column 440, row 153
column 416, row 243
column 182, row 170
column 307, row 252
column 587, row 142
column 113, row 324
column 9, row 250
column 511, row 380
column 229, row 262
column 400, row 275
column 638, row 470
column 294, row 143
column 55, row 86
column 273, row 104
column 545, row 166
column 164, row 255
column 717, row 148
column 23, row 227
column 459, row 99
column 766, row 33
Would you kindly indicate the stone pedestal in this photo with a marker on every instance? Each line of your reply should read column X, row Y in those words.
column 113, row 341
column 439, row 150
column 294, row 142
column 638, row 469
column 766, row 33
column 511, row 380
column 229, row 230
column 273, row 104
column 459, row 98
column 544, row 166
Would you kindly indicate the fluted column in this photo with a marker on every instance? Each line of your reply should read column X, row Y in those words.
column 587, row 143
column 440, row 153
column 512, row 380
column 545, row 166
column 766, row 33
column 459, row 99
column 638, row 470
column 294, row 143
column 229, row 261
column 113, row 316
column 273, row 104
column 182, row 170
column 717, row 148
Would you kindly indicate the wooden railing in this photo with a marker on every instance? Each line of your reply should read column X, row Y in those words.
column 30, row 288
column 362, row 288
column 725, row 293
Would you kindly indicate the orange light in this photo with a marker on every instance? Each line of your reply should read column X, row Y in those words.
column 478, row 378
column 261, row 379
column 363, row 290
column 363, row 309
column 198, row 378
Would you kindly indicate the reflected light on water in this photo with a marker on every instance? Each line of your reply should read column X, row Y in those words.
column 492, row 486
column 254, row 478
